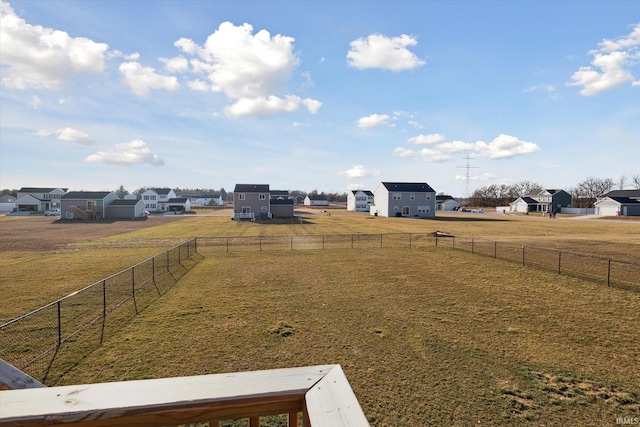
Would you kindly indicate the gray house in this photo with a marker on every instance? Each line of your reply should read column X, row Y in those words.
column 86, row 204
column 125, row 209
column 251, row 201
column 406, row 199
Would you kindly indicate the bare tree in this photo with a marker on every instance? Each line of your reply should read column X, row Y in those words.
column 621, row 181
column 588, row 191
column 636, row 181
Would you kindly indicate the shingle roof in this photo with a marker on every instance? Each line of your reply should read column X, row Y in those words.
column 281, row 201
column 40, row 189
column 86, row 195
column 622, row 193
column 413, row 187
column 125, row 202
column 317, row 197
column 177, row 200
column 251, row 188
column 442, row 198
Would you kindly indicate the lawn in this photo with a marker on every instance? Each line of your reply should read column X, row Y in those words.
column 426, row 336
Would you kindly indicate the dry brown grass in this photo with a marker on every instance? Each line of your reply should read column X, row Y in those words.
column 426, row 336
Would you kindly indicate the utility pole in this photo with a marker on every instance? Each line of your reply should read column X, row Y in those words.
column 467, row 175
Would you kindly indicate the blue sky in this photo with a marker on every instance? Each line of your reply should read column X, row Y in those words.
column 317, row 95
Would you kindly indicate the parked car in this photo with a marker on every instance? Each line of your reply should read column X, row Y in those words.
column 52, row 212
column 477, row 210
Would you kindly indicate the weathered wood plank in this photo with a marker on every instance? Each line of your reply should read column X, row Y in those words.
column 163, row 401
column 331, row 402
column 12, row 378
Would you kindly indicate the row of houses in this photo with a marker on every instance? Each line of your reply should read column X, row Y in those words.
column 613, row 203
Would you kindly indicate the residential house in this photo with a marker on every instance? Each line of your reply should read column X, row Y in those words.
column 359, row 200
column 39, row 199
column 157, row 199
column 281, row 207
column 316, row 201
column 8, row 202
column 251, row 201
column 125, row 209
column 549, row 200
column 204, row 199
column 86, row 204
column 446, row 203
column 276, row 194
column 179, row 205
column 406, row 199
column 618, row 203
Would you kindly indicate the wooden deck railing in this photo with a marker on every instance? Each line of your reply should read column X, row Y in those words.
column 321, row 393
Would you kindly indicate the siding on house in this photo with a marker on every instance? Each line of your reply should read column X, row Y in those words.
column 406, row 199
column 251, row 201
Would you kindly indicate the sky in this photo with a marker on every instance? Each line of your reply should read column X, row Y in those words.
column 318, row 95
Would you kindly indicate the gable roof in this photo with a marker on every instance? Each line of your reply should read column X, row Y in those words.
column 413, row 187
column 528, row 200
column 443, row 197
column 251, row 188
column 163, row 191
column 620, row 200
column 281, row 201
column 317, row 197
column 86, row 194
column 623, row 193
column 125, row 202
column 40, row 189
column 178, row 200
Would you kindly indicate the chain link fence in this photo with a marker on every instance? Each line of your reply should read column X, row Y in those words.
column 46, row 342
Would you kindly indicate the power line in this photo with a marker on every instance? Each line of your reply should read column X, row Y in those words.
column 467, row 174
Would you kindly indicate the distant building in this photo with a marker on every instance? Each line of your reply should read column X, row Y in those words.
column 404, row 199
column 446, row 203
column 157, row 199
column 359, row 200
column 316, row 201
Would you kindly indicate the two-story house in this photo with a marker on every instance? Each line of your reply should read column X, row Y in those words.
column 404, row 199
column 39, row 199
column 86, row 204
column 157, row 199
column 359, row 200
column 549, row 200
column 251, row 201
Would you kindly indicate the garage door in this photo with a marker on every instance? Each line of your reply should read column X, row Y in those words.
column 607, row 210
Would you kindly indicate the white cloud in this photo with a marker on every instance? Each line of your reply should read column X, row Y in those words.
column 32, row 56
column 142, row 79
column 415, row 124
column 261, row 107
column 198, row 85
column 373, row 121
column 178, row 64
column 505, row 146
column 68, row 134
column 127, row 154
column 433, row 156
column 434, row 138
column 610, row 66
column 36, row 102
column 358, row 171
column 455, row 146
column 252, row 70
column 379, row 51
column 404, row 152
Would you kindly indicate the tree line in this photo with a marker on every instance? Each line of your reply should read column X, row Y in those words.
column 584, row 194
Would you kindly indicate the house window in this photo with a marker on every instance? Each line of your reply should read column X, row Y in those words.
column 263, row 197
column 246, row 209
column 405, row 211
column 396, row 196
column 412, row 196
column 264, row 209
column 423, row 209
column 145, row 197
column 241, row 197
column 396, row 208
column 428, row 196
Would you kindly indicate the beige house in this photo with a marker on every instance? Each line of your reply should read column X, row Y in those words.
column 251, row 201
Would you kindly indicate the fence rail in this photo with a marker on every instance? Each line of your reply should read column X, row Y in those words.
column 34, row 341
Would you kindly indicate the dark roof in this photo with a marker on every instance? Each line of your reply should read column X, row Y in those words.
column 367, row 192
column 625, row 200
column 86, row 195
column 251, row 188
column 529, row 200
column 160, row 190
column 279, row 193
column 125, row 202
column 40, row 189
column 442, row 198
column 622, row 193
column 413, row 187
column 178, row 200
column 317, row 197
column 281, row 201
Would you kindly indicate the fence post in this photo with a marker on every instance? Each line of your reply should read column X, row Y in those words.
column 453, row 242
column 260, row 240
column 436, row 238
column 608, row 272
column 291, row 242
column 227, row 244
column 352, row 241
column 153, row 269
column 523, row 255
column 409, row 240
column 167, row 260
column 104, row 299
column 495, row 249
column 179, row 253
column 195, row 245
column 559, row 260
column 59, row 325
column 381, row 240
column 133, row 288
column 472, row 245
column 323, row 241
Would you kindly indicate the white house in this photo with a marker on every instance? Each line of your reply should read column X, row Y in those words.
column 179, row 204
column 404, row 199
column 157, row 199
column 359, row 200
column 619, row 203
column 316, row 201
column 446, row 203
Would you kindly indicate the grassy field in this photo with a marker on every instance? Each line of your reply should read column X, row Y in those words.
column 426, row 336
